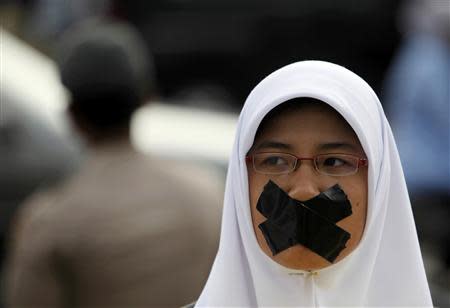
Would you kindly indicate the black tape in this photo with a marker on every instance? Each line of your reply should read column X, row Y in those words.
column 311, row 223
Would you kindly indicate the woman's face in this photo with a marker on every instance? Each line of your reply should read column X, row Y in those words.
column 310, row 130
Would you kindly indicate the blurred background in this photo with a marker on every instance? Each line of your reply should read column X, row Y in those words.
column 207, row 56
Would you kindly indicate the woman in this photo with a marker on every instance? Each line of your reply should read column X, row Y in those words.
column 316, row 209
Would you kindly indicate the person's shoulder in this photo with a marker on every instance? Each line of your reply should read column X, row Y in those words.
column 37, row 207
column 201, row 185
column 193, row 175
column 196, row 191
column 33, row 224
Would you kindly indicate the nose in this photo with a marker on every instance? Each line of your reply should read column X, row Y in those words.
column 304, row 183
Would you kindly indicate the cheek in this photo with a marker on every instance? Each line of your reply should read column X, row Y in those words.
column 356, row 191
column 256, row 183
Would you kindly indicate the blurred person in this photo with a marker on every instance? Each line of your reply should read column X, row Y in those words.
column 416, row 93
column 125, row 230
column 316, row 209
column 418, row 103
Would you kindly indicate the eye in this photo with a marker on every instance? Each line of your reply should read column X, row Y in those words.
column 273, row 163
column 274, row 160
column 337, row 162
column 334, row 162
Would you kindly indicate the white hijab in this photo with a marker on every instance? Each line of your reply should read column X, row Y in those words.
column 386, row 269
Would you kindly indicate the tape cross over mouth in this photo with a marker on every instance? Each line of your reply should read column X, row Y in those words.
column 311, row 223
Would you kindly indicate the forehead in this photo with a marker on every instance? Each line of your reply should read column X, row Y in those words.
column 303, row 123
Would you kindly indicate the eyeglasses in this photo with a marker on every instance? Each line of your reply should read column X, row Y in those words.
column 335, row 164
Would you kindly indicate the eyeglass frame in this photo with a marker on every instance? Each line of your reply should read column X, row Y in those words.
column 362, row 162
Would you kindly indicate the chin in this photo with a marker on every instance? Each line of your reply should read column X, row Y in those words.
column 300, row 258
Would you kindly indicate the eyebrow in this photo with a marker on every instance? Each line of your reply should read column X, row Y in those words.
column 338, row 146
column 273, row 145
column 329, row 146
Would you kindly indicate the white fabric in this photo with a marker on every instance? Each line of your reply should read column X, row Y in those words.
column 386, row 269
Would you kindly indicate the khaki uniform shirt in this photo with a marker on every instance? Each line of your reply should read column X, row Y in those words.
column 126, row 231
